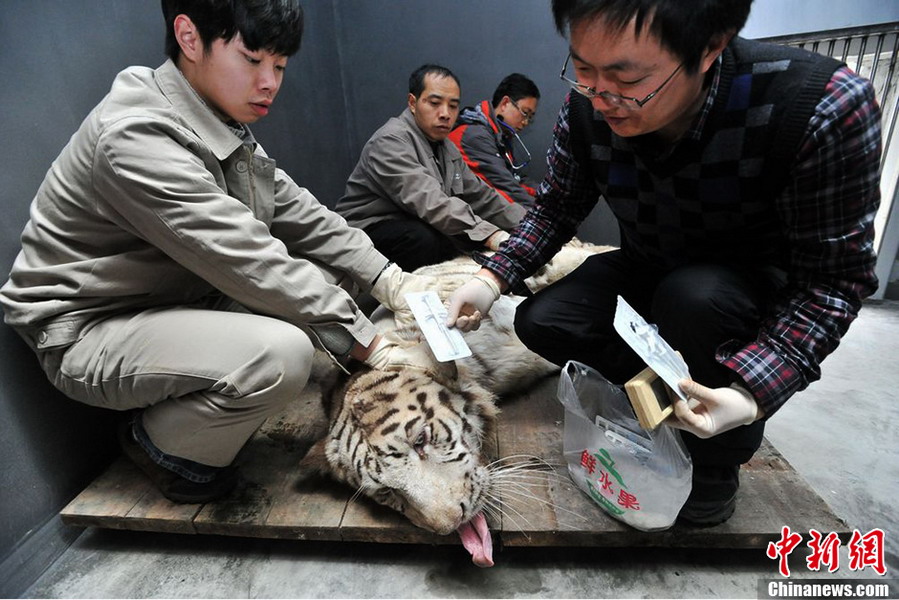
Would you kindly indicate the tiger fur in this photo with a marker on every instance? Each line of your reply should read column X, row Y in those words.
column 412, row 440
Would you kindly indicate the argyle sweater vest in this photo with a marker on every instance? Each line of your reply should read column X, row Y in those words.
column 711, row 199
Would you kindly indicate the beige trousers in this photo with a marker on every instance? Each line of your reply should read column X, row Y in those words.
column 206, row 378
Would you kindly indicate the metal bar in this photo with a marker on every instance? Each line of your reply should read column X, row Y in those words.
column 888, row 134
column 891, row 121
column 877, row 50
column 795, row 38
column 846, row 49
column 863, row 45
column 891, row 68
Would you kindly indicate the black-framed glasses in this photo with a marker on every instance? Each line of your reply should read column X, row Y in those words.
column 613, row 99
column 527, row 116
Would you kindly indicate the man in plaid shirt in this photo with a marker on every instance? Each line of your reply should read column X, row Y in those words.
column 744, row 178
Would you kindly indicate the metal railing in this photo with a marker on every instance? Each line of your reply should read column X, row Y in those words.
column 871, row 51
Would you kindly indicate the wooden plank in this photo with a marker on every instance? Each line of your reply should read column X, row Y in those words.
column 558, row 513
column 124, row 498
column 771, row 495
column 312, row 511
column 367, row 521
column 269, row 503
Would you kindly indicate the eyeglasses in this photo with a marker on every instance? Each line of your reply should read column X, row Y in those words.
column 613, row 99
column 526, row 115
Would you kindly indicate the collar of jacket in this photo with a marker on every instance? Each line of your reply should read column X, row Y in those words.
column 487, row 111
column 188, row 104
column 483, row 114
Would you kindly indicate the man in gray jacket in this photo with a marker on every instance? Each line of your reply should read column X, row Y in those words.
column 169, row 267
column 411, row 191
column 487, row 137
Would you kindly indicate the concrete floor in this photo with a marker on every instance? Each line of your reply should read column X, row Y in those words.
column 840, row 434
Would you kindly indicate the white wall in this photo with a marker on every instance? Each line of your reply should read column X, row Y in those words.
column 783, row 17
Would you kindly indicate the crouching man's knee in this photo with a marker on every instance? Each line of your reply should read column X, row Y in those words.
column 274, row 373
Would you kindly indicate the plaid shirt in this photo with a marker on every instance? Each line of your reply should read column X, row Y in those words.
column 826, row 213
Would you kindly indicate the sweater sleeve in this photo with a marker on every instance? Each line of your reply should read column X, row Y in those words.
column 828, row 211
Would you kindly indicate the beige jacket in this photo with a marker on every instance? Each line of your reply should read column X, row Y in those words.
column 156, row 202
column 398, row 174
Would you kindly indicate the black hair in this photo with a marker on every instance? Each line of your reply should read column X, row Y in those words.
column 273, row 25
column 683, row 27
column 417, row 78
column 516, row 86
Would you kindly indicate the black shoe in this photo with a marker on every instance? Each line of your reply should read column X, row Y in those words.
column 173, row 486
column 713, row 497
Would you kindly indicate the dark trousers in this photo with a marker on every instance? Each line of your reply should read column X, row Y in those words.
column 696, row 308
column 411, row 243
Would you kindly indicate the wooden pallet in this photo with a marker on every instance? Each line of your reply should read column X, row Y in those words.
column 269, row 503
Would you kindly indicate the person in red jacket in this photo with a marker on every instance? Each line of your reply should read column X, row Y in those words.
column 487, row 137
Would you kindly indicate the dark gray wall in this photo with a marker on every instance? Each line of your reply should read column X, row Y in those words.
column 57, row 59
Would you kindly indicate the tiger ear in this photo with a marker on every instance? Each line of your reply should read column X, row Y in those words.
column 314, row 464
column 444, row 373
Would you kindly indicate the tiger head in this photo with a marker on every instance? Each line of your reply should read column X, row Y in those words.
column 414, row 441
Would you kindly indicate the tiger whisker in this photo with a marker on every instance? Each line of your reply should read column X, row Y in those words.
column 512, row 473
column 524, row 458
column 501, row 507
column 532, row 477
column 527, row 471
column 520, row 492
column 491, row 511
column 542, row 467
column 359, row 491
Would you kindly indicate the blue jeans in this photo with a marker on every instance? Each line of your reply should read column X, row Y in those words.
column 190, row 470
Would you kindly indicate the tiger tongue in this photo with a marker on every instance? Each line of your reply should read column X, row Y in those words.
column 476, row 539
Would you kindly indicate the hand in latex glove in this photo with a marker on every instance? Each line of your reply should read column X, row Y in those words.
column 392, row 286
column 389, row 355
column 713, row 411
column 471, row 302
column 495, row 239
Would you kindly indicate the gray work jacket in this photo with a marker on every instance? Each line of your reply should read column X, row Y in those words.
column 399, row 175
column 156, row 202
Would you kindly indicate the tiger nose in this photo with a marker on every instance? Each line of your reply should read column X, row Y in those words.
column 460, row 518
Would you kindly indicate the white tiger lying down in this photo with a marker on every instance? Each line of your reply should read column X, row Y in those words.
column 413, row 440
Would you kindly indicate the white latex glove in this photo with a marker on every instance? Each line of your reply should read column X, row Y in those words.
column 713, row 411
column 495, row 239
column 392, row 286
column 470, row 302
column 389, row 355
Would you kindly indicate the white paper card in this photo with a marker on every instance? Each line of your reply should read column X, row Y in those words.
column 649, row 345
column 430, row 314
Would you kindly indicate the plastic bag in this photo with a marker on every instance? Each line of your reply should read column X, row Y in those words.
column 639, row 477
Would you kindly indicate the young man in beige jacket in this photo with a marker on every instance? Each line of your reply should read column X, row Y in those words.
column 171, row 269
